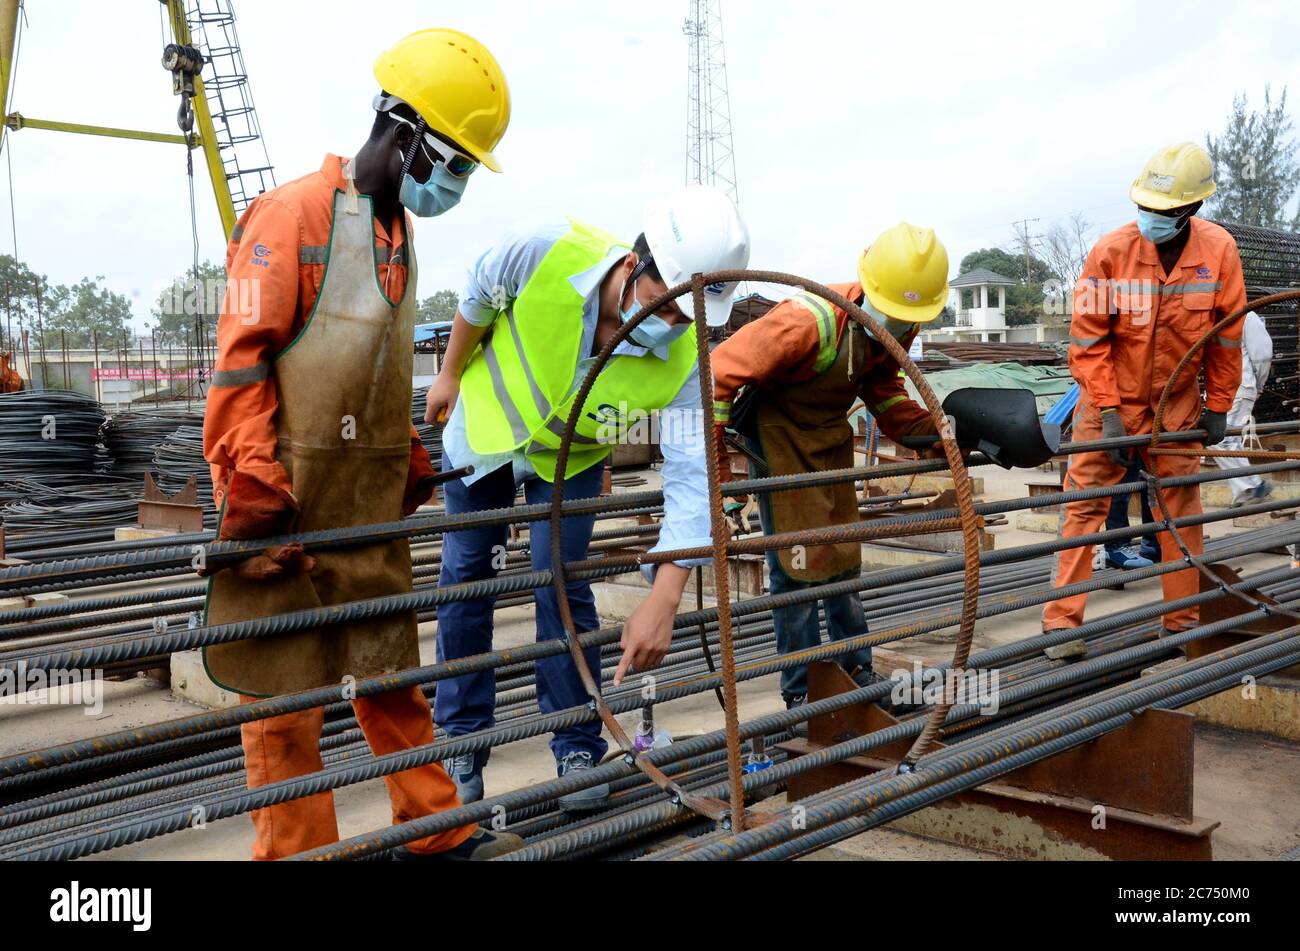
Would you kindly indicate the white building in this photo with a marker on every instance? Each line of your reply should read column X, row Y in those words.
column 980, row 303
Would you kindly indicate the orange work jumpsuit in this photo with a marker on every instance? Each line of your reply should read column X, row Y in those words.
column 275, row 263
column 1131, row 325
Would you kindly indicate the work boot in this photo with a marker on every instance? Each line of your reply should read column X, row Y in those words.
column 1126, row 558
column 800, row 728
column 466, row 771
column 479, row 847
column 583, row 800
column 1258, row 494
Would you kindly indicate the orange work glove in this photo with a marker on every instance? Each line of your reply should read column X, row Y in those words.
column 419, row 478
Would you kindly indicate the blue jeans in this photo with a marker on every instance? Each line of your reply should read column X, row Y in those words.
column 798, row 625
column 468, row 703
column 1118, row 516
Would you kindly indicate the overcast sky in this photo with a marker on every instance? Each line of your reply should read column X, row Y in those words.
column 848, row 117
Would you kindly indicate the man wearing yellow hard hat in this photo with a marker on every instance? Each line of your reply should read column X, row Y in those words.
column 1148, row 292
column 308, row 428
column 803, row 365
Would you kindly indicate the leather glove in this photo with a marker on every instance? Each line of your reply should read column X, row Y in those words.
column 1112, row 427
column 275, row 562
column 419, row 478
column 1215, row 426
column 253, row 510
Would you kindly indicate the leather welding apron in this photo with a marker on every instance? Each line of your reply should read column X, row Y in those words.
column 802, row 428
column 344, row 428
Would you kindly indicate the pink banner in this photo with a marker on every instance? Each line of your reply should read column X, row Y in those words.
column 144, row 373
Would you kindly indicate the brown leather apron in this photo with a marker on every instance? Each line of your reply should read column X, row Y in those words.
column 344, row 427
column 802, row 428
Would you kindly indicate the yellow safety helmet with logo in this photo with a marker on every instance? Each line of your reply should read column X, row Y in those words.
column 450, row 79
column 904, row 274
column 1177, row 175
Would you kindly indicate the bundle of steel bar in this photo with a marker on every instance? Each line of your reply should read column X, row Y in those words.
column 754, row 660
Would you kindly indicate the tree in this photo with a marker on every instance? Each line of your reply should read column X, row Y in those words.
column 441, row 306
column 21, row 284
column 1005, row 263
column 1255, row 165
column 1065, row 249
column 198, row 293
column 73, row 313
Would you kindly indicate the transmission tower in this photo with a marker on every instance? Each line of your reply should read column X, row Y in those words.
column 710, row 154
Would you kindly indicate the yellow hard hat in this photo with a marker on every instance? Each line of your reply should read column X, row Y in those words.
column 450, row 79
column 904, row 273
column 1177, row 175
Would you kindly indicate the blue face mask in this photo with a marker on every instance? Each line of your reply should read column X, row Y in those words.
column 898, row 329
column 652, row 332
column 439, row 194
column 1159, row 228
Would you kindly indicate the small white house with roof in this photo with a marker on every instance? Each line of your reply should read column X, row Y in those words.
column 980, row 304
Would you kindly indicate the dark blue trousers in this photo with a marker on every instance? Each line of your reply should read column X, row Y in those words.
column 1118, row 515
column 467, row 704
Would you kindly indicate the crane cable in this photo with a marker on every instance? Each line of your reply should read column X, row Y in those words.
column 4, row 115
column 185, row 120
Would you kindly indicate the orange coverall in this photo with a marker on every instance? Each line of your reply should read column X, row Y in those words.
column 1131, row 325
column 274, row 264
column 782, row 347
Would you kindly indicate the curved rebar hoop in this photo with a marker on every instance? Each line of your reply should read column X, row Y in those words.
column 1153, row 480
column 969, row 520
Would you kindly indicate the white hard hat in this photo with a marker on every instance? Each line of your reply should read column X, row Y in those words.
column 698, row 229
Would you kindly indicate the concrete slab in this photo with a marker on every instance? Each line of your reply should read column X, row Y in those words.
column 190, row 682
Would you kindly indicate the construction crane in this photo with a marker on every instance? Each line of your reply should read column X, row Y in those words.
column 216, row 114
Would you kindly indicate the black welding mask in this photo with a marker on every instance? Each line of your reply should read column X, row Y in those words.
column 1003, row 424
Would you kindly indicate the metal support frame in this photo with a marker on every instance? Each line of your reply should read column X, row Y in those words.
column 1138, row 778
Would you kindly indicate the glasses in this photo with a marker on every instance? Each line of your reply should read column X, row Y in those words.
column 458, row 164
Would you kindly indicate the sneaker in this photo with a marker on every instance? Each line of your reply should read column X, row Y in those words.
column 800, row 728
column 1150, row 550
column 1258, row 494
column 479, row 847
column 583, row 800
column 1126, row 558
column 864, row 675
column 466, row 771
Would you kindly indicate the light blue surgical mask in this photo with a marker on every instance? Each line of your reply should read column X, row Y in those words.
column 438, row 195
column 652, row 332
column 1159, row 228
column 898, row 329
